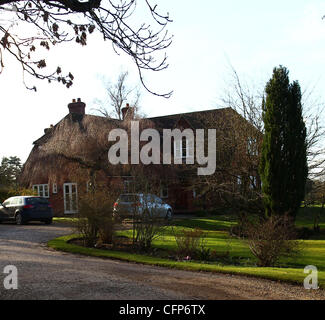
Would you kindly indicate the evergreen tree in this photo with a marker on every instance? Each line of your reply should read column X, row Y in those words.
column 10, row 169
column 283, row 166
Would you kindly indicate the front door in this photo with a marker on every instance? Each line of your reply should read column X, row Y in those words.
column 70, row 198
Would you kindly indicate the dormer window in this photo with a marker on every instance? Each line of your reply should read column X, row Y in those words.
column 184, row 149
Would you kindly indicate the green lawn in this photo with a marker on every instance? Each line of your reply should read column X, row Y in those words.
column 240, row 261
column 312, row 253
column 306, row 216
column 66, row 220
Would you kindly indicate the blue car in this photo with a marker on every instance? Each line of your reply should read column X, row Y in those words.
column 23, row 209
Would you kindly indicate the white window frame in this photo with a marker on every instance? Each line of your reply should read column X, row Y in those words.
column 54, row 188
column 41, row 191
column 179, row 149
column 70, row 184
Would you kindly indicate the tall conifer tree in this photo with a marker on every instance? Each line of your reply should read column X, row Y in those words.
column 283, row 167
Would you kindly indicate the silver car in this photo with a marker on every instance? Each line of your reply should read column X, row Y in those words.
column 130, row 204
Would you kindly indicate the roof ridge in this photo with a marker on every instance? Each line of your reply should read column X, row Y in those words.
column 190, row 112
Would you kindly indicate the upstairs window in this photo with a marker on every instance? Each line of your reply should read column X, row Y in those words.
column 178, row 149
column 184, row 149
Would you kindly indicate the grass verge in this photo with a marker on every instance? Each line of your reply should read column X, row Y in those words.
column 291, row 275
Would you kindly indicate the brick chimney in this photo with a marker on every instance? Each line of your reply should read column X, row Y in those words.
column 77, row 107
column 47, row 130
column 127, row 112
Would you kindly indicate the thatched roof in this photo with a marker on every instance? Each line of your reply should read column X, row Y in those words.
column 72, row 139
column 81, row 140
column 87, row 124
column 197, row 119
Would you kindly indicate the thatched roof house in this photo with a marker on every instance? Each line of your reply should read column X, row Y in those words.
column 73, row 151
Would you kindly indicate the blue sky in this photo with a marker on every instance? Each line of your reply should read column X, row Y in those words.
column 254, row 36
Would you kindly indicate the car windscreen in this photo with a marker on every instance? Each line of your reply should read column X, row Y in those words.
column 7, row 202
column 129, row 198
column 36, row 200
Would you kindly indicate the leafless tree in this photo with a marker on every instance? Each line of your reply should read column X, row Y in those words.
column 313, row 113
column 27, row 25
column 235, row 182
column 118, row 94
column 246, row 99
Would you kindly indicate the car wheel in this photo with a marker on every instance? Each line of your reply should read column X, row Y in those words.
column 48, row 221
column 19, row 219
column 169, row 215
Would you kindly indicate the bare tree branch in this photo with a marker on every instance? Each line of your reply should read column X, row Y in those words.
column 118, row 94
column 246, row 99
column 52, row 22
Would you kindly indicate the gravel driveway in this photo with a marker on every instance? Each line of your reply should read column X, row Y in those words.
column 47, row 274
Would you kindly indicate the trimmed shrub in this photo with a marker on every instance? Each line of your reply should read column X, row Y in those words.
column 191, row 243
column 271, row 239
column 95, row 213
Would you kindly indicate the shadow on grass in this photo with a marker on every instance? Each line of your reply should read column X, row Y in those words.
column 209, row 224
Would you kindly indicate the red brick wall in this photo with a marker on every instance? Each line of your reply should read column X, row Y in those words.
column 57, row 201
